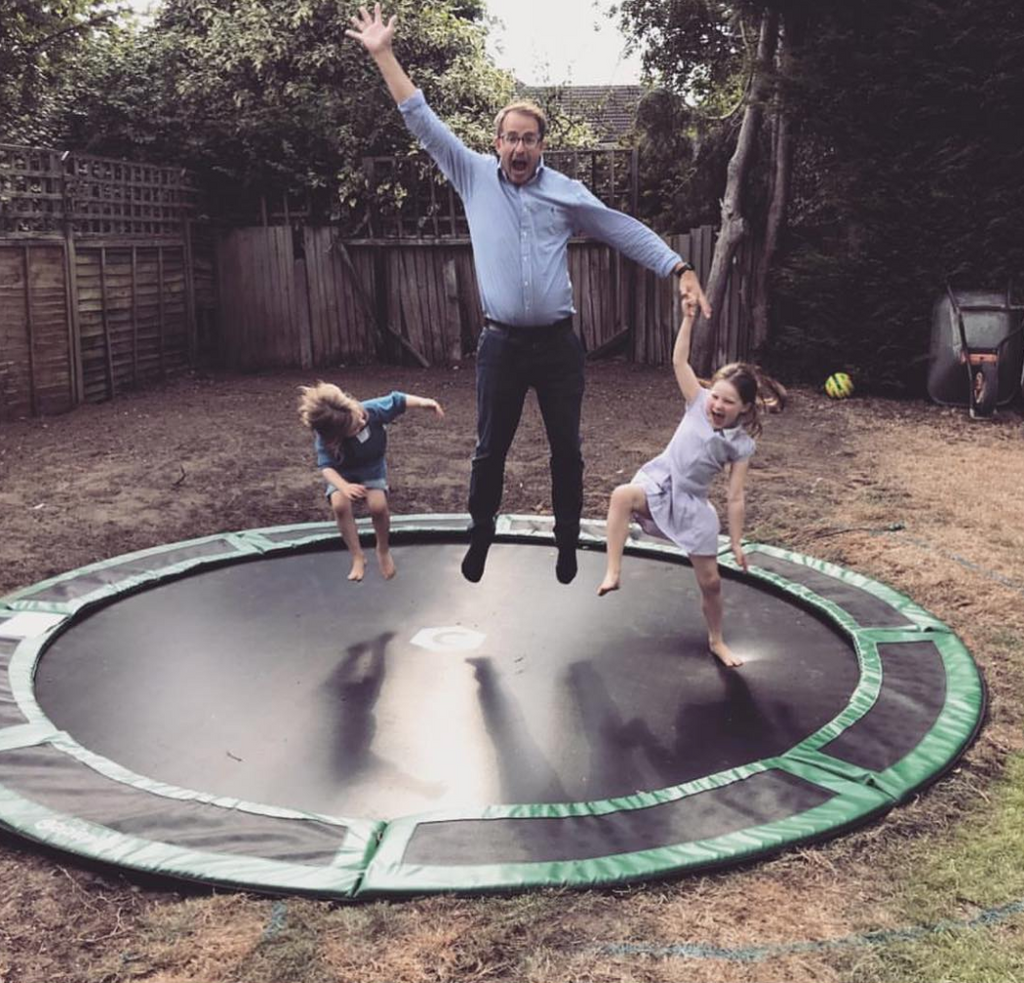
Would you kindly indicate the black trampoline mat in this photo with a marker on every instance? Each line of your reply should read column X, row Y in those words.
column 277, row 681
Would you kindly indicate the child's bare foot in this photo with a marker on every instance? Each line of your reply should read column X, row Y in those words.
column 358, row 568
column 610, row 583
column 386, row 564
column 724, row 654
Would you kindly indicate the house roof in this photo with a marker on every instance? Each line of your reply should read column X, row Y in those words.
column 609, row 109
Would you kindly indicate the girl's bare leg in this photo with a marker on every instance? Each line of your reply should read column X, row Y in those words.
column 380, row 516
column 625, row 500
column 710, row 582
column 346, row 520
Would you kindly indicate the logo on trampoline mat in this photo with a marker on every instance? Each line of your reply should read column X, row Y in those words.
column 454, row 639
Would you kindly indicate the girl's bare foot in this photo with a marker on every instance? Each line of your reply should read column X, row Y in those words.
column 724, row 654
column 610, row 583
column 358, row 568
column 386, row 564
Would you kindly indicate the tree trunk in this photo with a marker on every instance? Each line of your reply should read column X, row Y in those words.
column 782, row 156
column 707, row 347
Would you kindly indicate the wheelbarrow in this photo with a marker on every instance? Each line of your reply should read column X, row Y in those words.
column 977, row 350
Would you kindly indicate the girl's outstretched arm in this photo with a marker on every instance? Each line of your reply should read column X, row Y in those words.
column 422, row 402
column 686, row 377
column 737, row 509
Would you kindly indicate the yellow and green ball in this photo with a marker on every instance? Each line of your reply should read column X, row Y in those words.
column 838, row 386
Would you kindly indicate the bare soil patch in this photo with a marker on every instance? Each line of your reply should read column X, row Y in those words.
column 909, row 493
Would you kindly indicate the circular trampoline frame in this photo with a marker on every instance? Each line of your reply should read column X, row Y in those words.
column 856, row 767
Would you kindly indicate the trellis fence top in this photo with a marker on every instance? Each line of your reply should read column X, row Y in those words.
column 44, row 191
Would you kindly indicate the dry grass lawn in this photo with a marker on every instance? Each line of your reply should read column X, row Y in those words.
column 908, row 493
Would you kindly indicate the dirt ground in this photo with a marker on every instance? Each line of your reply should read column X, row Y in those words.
column 908, row 493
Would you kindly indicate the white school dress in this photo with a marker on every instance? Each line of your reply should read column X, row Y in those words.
column 677, row 481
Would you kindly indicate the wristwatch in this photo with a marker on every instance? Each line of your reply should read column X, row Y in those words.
column 682, row 268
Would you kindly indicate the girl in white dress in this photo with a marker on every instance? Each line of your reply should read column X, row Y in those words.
column 669, row 495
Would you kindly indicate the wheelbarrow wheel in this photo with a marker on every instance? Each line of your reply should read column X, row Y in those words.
column 984, row 388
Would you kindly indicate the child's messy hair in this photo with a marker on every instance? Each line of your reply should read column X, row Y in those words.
column 328, row 410
column 756, row 390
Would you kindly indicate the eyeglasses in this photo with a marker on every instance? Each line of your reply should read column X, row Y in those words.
column 528, row 140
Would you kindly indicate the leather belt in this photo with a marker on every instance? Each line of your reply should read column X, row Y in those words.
column 565, row 322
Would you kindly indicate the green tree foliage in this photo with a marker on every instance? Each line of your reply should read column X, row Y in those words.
column 908, row 161
column 908, row 172
column 696, row 55
column 40, row 44
column 692, row 47
column 271, row 96
column 682, row 162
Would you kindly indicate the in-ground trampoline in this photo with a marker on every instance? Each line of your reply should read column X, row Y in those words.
column 232, row 710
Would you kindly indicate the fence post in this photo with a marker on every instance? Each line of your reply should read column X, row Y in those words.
column 453, row 323
column 30, row 334
column 105, row 321
column 135, row 315
column 303, row 314
column 190, row 289
column 160, row 314
column 71, row 287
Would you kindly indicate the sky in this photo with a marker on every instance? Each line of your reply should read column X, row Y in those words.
column 550, row 42
column 554, row 42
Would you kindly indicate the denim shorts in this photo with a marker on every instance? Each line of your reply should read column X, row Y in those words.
column 381, row 483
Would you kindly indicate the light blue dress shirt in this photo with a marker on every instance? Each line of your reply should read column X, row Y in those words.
column 521, row 233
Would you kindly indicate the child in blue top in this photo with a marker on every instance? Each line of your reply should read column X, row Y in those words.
column 350, row 438
column 669, row 495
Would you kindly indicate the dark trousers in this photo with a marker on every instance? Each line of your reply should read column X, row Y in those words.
column 509, row 362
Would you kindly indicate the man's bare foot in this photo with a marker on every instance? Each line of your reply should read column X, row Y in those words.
column 358, row 568
column 724, row 654
column 386, row 564
column 610, row 583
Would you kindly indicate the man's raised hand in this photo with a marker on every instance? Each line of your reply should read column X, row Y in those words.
column 371, row 31
column 376, row 37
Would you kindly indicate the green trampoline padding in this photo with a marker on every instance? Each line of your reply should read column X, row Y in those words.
column 231, row 710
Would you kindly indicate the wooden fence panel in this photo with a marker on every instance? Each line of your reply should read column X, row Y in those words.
column 50, row 360
column 112, row 284
column 133, row 315
column 471, row 312
column 321, row 292
column 35, row 355
column 420, row 307
column 261, row 322
column 363, row 291
column 419, row 299
column 341, row 286
column 92, row 326
column 17, row 397
column 202, row 255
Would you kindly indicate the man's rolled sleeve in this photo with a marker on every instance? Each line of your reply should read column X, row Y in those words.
column 624, row 233
column 454, row 158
